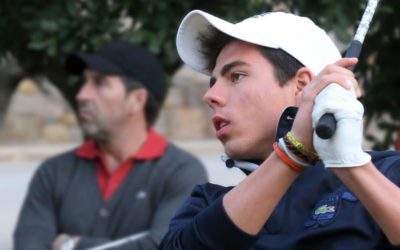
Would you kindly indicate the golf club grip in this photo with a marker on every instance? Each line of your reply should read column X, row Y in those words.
column 327, row 123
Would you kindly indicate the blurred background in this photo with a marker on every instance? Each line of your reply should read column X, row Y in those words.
column 37, row 97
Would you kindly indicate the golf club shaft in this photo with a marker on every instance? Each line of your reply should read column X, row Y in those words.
column 327, row 124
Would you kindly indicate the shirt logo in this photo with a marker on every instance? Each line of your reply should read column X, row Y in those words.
column 324, row 209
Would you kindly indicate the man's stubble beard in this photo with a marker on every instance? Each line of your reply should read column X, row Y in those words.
column 93, row 130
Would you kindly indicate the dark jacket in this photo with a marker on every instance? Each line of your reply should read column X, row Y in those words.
column 317, row 212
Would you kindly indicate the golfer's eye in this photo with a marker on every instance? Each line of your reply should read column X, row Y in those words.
column 236, row 76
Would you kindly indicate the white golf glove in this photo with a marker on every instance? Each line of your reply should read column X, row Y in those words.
column 343, row 149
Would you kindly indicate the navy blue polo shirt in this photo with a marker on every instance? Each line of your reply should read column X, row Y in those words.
column 317, row 212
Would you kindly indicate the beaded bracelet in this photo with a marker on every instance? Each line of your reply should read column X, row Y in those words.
column 286, row 159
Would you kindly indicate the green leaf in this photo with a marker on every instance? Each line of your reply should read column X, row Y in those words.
column 72, row 7
column 70, row 46
column 91, row 5
column 49, row 25
column 39, row 44
column 52, row 49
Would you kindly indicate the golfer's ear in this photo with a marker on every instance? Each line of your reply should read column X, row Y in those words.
column 303, row 77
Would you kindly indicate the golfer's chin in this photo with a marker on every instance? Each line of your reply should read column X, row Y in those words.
column 236, row 150
column 245, row 149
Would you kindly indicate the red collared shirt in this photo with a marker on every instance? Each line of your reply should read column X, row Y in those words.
column 398, row 142
column 154, row 147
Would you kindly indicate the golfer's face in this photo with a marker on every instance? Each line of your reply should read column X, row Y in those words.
column 247, row 101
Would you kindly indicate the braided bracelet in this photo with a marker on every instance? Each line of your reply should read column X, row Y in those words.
column 302, row 155
column 305, row 153
column 300, row 145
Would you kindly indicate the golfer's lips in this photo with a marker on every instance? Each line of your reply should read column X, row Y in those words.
column 221, row 125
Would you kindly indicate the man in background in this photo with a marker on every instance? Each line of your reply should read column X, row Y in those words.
column 126, row 178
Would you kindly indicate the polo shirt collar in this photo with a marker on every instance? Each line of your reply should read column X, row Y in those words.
column 154, row 147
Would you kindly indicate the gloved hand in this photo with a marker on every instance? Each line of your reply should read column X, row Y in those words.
column 343, row 149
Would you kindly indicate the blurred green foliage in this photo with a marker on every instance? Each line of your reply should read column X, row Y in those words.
column 40, row 34
column 57, row 28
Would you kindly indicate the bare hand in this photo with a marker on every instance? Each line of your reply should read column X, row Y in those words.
column 60, row 239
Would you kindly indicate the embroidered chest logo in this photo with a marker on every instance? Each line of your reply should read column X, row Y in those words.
column 326, row 210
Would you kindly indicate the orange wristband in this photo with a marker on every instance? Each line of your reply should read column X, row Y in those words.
column 286, row 159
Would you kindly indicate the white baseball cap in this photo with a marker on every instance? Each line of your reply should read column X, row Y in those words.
column 296, row 35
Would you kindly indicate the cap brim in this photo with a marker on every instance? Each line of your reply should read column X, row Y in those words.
column 188, row 45
column 77, row 63
column 197, row 22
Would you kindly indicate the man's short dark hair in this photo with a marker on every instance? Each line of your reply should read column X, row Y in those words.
column 152, row 107
column 285, row 65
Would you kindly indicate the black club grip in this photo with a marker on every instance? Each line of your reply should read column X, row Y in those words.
column 327, row 123
column 326, row 126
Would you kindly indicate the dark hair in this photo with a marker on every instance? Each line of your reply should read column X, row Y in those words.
column 285, row 65
column 152, row 107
